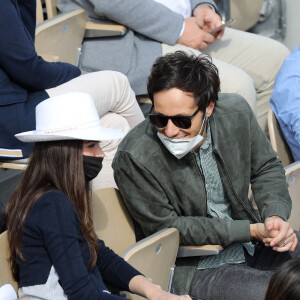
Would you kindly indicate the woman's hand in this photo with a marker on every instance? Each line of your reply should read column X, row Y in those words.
column 144, row 287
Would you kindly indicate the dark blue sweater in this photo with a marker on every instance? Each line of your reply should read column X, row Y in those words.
column 24, row 75
column 52, row 237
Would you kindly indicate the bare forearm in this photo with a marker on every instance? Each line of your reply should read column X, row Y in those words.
column 144, row 287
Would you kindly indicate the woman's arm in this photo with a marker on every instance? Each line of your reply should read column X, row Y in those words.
column 144, row 287
column 55, row 220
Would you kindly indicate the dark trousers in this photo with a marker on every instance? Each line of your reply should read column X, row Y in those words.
column 246, row 281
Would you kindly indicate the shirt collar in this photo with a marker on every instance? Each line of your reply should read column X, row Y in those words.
column 207, row 141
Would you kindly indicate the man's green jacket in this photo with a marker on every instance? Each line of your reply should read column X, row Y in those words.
column 163, row 191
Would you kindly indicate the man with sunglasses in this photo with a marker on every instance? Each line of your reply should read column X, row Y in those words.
column 189, row 166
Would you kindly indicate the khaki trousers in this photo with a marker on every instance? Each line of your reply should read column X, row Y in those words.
column 117, row 107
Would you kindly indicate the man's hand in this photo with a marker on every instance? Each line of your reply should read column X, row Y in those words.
column 194, row 36
column 209, row 18
column 275, row 233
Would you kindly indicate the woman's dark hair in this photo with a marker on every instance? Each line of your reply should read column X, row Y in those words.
column 192, row 74
column 56, row 165
column 285, row 282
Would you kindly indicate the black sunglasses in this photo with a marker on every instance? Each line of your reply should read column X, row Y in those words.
column 183, row 122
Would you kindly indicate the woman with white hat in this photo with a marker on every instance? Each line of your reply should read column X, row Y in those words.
column 55, row 253
column 26, row 80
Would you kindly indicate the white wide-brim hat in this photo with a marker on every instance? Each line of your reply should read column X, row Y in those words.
column 66, row 117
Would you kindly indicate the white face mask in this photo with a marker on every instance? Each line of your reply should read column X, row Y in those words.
column 180, row 147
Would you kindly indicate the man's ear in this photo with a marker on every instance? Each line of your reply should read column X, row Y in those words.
column 210, row 109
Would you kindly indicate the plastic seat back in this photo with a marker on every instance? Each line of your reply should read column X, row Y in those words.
column 153, row 256
column 112, row 220
column 5, row 271
column 292, row 173
column 278, row 141
column 60, row 38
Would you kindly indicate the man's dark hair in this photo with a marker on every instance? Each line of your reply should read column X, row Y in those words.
column 190, row 73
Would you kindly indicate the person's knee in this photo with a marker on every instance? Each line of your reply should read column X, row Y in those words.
column 115, row 76
column 235, row 80
column 279, row 52
column 116, row 121
column 268, row 65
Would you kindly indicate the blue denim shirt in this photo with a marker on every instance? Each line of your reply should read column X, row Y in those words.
column 285, row 101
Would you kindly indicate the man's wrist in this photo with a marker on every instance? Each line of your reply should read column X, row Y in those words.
column 209, row 6
column 202, row 4
column 253, row 231
column 276, row 217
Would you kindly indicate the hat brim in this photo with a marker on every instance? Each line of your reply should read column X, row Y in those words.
column 96, row 134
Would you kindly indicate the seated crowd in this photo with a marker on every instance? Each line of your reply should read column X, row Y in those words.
column 195, row 156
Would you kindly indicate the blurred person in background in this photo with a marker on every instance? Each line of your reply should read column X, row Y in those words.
column 159, row 27
column 26, row 80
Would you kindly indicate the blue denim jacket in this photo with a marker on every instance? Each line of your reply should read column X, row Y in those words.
column 285, row 101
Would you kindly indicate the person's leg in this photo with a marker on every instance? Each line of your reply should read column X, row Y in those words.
column 116, row 105
column 230, row 281
column 105, row 178
column 111, row 92
column 241, row 281
column 233, row 79
column 258, row 56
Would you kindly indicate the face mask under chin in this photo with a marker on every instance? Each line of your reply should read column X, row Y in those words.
column 180, row 147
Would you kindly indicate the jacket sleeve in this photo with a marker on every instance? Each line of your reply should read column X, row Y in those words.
column 19, row 59
column 147, row 17
column 115, row 269
column 195, row 3
column 268, row 181
column 152, row 209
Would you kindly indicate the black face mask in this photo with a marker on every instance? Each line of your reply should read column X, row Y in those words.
column 92, row 166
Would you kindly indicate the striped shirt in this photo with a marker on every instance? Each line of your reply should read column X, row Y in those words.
column 218, row 206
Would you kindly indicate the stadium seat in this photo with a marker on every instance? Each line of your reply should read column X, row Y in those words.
column 5, row 271
column 20, row 164
column 292, row 173
column 103, row 28
column 278, row 141
column 60, row 38
column 246, row 13
column 155, row 255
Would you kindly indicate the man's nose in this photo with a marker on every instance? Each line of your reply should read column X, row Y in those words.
column 171, row 130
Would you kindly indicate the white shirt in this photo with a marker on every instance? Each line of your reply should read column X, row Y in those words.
column 182, row 7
